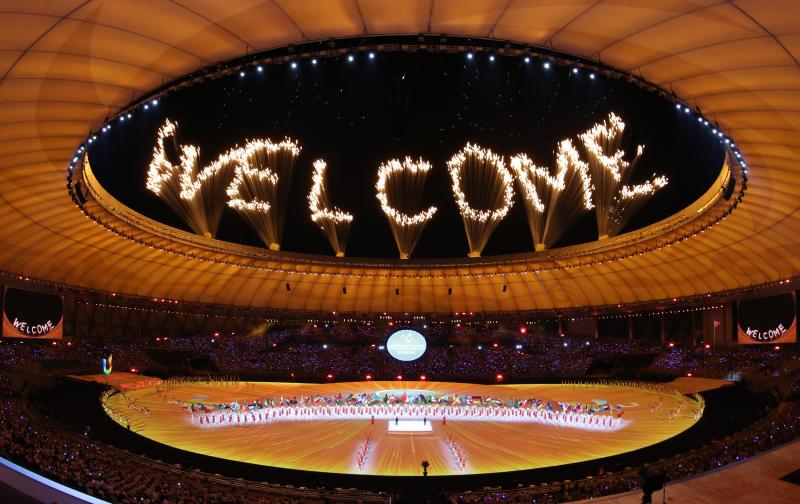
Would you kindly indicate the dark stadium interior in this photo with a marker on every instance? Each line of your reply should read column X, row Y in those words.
column 763, row 375
column 181, row 328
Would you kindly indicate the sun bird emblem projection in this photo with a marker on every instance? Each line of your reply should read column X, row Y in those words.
column 401, row 185
column 333, row 222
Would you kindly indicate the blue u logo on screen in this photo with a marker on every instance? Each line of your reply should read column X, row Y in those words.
column 107, row 365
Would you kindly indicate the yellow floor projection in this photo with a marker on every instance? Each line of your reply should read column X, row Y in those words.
column 333, row 445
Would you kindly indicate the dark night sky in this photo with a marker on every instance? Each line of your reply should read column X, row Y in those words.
column 358, row 114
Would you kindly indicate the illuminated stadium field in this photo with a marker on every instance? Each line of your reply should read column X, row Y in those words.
column 494, row 434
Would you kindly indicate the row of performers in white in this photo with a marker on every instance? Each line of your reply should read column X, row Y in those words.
column 227, row 418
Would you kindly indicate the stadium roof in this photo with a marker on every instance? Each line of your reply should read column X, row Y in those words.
column 67, row 65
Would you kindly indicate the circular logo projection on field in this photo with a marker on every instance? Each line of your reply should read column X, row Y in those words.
column 406, row 345
column 769, row 319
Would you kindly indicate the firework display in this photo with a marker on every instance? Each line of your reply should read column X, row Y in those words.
column 399, row 190
column 553, row 202
column 333, row 222
column 615, row 201
column 256, row 180
column 484, row 192
column 259, row 185
column 196, row 195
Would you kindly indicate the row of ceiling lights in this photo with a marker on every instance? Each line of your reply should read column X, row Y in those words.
column 470, row 55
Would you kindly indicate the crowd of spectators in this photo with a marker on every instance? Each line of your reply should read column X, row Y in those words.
column 30, row 438
column 354, row 353
column 778, row 427
column 754, row 361
column 34, row 441
column 66, row 354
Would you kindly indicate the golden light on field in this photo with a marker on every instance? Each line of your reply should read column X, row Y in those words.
column 333, row 445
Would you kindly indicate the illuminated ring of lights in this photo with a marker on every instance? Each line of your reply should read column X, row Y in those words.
column 493, row 262
column 654, row 243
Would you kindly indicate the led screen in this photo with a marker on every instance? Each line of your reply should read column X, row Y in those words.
column 406, row 345
column 29, row 314
column 769, row 319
